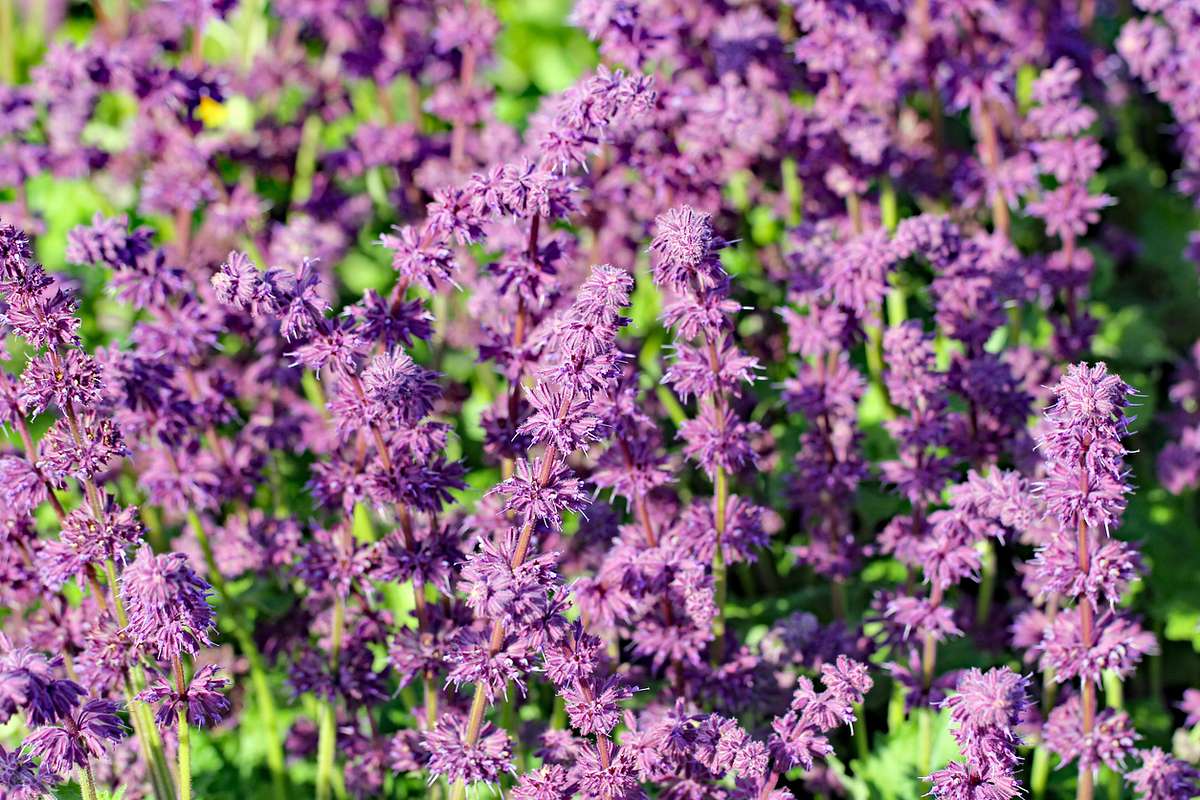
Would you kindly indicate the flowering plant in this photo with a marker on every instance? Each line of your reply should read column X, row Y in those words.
column 770, row 400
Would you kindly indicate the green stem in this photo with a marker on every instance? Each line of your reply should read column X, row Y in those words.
column 87, row 784
column 306, row 160
column 1039, row 774
column 8, row 45
column 925, row 751
column 1114, row 695
column 185, row 757
column 895, row 713
column 185, row 746
column 889, row 208
column 139, row 712
column 263, row 697
column 862, row 741
column 987, row 584
column 793, row 189
column 875, row 353
column 110, row 573
column 151, row 746
column 720, row 574
column 327, row 734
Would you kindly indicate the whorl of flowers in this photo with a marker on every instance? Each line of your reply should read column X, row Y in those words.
column 986, row 710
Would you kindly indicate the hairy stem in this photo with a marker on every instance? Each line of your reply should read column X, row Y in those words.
column 263, row 697
column 327, row 735
column 87, row 783
column 720, row 573
column 1087, row 694
column 185, row 749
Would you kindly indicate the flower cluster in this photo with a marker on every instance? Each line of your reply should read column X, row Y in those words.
column 986, row 710
column 405, row 396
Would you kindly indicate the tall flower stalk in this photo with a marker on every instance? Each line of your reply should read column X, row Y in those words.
column 583, row 364
column 707, row 366
column 1085, row 488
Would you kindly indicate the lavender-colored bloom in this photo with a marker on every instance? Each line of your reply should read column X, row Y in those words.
column 684, row 251
column 167, row 604
column 560, row 418
column 1118, row 644
column 452, row 756
column 83, row 449
column 1081, row 442
column 1162, row 777
column 71, row 380
column 28, row 682
column 202, row 698
column 550, row 782
column 22, row 779
column 83, row 734
column 397, row 389
column 986, row 710
column 542, row 499
column 958, row 781
column 22, row 487
column 473, row 662
column 717, row 439
column 595, row 709
column 419, row 257
column 1111, row 741
column 239, row 283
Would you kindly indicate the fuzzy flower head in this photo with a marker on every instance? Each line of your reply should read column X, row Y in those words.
column 1080, row 441
column 1162, row 777
column 22, row 779
column 684, row 250
column 452, row 756
column 398, row 390
column 28, row 682
column 82, row 735
column 167, row 604
column 202, row 699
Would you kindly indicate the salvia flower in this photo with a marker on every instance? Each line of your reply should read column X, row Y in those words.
column 167, row 603
column 986, row 709
column 85, row 733
column 202, row 699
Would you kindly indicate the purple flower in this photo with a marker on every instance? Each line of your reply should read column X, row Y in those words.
column 542, row 490
column 22, row 779
column 986, row 710
column 44, row 317
column 473, row 662
column 1118, row 643
column 684, row 250
column 1081, row 442
column 83, row 734
column 959, row 781
column 560, row 418
column 202, row 698
column 717, row 439
column 419, row 257
column 594, row 708
column 545, row 783
column 397, row 389
column 70, row 381
column 1110, row 742
column 1162, row 777
column 22, row 487
column 167, row 604
column 239, row 283
column 28, row 682
column 450, row 754
column 81, row 449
